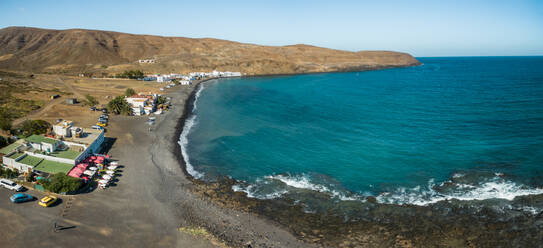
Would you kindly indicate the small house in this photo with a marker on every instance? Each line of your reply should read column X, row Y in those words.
column 71, row 101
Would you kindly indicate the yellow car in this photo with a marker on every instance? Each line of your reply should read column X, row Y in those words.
column 47, row 201
column 101, row 124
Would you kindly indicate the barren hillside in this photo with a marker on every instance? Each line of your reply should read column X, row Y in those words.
column 77, row 50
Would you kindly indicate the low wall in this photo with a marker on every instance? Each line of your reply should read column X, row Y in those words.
column 51, row 158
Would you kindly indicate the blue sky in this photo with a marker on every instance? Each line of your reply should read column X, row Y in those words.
column 422, row 28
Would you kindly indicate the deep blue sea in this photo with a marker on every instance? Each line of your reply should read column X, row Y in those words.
column 469, row 128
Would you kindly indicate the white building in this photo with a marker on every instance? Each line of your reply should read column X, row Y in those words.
column 146, row 61
column 142, row 104
column 37, row 152
column 63, row 128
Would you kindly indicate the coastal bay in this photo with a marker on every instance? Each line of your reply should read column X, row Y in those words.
column 467, row 198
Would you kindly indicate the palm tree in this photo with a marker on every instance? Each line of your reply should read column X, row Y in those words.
column 119, row 106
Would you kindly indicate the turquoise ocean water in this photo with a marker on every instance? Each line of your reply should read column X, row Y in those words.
column 463, row 128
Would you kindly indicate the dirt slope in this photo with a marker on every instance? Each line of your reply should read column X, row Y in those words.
column 94, row 51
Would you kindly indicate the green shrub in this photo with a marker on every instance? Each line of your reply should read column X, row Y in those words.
column 5, row 123
column 8, row 173
column 61, row 183
column 161, row 100
column 129, row 92
column 90, row 100
column 3, row 141
column 30, row 127
column 131, row 74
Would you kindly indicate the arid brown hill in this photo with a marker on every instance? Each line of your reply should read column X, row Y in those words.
column 77, row 50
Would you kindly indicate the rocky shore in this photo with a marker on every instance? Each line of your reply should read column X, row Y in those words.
column 370, row 224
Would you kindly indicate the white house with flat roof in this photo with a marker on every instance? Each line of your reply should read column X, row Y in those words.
column 52, row 155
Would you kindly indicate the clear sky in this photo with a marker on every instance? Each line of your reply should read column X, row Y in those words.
column 422, row 28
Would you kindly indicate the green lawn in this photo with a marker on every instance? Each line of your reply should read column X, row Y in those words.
column 69, row 154
column 53, row 167
column 39, row 138
column 30, row 160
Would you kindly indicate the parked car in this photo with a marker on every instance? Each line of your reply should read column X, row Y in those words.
column 47, row 201
column 97, row 127
column 8, row 184
column 20, row 197
column 93, row 108
column 101, row 124
column 104, row 110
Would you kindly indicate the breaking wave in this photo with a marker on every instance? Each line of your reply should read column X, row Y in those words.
column 458, row 187
column 183, row 140
column 275, row 186
column 496, row 187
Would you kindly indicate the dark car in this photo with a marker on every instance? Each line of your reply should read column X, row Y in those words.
column 20, row 197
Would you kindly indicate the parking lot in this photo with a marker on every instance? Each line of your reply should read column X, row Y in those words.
column 17, row 217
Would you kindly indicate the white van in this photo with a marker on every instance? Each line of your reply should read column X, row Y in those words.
column 8, row 184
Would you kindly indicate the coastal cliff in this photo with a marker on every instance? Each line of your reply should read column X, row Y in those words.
column 99, row 52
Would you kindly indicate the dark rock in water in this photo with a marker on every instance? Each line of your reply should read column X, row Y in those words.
column 451, row 223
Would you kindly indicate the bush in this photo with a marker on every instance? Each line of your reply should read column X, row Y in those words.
column 30, row 127
column 131, row 74
column 3, row 141
column 29, row 177
column 90, row 100
column 5, row 123
column 119, row 106
column 61, row 183
column 8, row 173
column 161, row 100
column 129, row 92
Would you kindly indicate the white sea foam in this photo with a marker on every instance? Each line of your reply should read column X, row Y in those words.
column 495, row 188
column 251, row 192
column 183, row 140
column 304, row 182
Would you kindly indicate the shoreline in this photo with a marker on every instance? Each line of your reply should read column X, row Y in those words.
column 187, row 112
column 382, row 226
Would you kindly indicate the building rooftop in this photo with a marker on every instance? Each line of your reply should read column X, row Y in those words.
column 65, row 123
column 11, row 147
column 16, row 155
column 30, row 160
column 39, row 139
column 69, row 154
column 53, row 167
column 87, row 137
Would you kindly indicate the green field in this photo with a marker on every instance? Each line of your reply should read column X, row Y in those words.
column 30, row 160
column 16, row 155
column 69, row 154
column 39, row 139
column 53, row 167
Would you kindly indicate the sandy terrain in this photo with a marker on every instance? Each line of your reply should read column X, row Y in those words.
column 77, row 87
column 151, row 205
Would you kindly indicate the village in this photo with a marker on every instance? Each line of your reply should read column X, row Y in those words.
column 70, row 159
